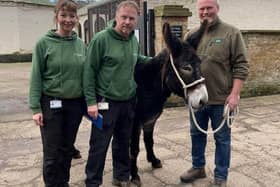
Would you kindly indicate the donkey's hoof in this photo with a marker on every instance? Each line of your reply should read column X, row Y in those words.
column 136, row 180
column 156, row 163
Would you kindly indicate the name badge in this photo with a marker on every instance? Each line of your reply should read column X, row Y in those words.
column 55, row 104
column 103, row 106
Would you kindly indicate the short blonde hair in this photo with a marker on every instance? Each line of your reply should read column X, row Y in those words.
column 216, row 1
column 128, row 3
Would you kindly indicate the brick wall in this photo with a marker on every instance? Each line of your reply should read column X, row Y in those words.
column 264, row 59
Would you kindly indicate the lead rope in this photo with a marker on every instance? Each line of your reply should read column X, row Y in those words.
column 228, row 117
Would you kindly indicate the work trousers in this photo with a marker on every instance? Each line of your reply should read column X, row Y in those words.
column 117, row 123
column 58, row 136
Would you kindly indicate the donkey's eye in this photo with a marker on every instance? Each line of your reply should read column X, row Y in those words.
column 187, row 67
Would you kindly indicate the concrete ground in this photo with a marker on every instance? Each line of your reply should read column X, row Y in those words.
column 255, row 142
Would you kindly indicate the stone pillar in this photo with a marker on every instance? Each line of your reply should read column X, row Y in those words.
column 176, row 16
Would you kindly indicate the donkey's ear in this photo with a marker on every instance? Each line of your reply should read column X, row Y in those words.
column 195, row 37
column 173, row 43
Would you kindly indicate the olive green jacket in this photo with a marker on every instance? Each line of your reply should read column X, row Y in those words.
column 223, row 54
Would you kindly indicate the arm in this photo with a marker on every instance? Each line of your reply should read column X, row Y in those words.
column 240, row 69
column 35, row 90
column 91, row 67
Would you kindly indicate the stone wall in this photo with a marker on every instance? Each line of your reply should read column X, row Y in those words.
column 264, row 59
column 159, row 44
column 154, row 3
column 175, row 15
column 263, row 53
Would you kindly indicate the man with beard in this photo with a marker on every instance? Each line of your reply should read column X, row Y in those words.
column 225, row 68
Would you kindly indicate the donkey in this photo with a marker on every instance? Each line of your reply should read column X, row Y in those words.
column 156, row 81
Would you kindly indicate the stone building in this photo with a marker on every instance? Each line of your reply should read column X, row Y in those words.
column 259, row 22
column 23, row 22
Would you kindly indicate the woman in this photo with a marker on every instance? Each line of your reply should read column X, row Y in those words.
column 56, row 96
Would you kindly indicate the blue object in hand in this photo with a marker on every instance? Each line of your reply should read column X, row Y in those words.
column 97, row 122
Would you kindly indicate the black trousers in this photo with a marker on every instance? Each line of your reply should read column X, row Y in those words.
column 58, row 136
column 117, row 123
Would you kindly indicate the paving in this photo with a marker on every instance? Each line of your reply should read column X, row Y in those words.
column 255, row 143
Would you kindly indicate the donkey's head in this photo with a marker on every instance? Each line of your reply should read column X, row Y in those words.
column 182, row 71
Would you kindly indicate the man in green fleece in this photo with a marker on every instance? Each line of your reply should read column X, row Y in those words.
column 110, row 90
column 225, row 68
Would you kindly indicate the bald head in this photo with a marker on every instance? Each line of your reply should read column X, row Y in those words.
column 208, row 10
column 217, row 2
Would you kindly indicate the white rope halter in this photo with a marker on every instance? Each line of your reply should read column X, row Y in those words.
column 185, row 86
column 227, row 116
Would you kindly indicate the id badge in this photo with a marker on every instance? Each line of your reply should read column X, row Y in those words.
column 103, row 106
column 55, row 104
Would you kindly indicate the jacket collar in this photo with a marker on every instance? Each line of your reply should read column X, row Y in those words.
column 214, row 24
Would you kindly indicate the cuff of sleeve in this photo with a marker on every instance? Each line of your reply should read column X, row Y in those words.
column 36, row 110
column 91, row 102
column 240, row 77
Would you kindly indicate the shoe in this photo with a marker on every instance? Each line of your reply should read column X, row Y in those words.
column 219, row 183
column 192, row 174
column 117, row 182
column 136, row 180
column 76, row 154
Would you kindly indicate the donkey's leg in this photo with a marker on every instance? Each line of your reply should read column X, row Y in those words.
column 134, row 151
column 149, row 144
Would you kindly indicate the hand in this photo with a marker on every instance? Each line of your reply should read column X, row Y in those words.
column 232, row 101
column 38, row 119
column 93, row 111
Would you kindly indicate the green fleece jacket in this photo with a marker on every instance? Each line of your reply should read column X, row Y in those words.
column 109, row 67
column 223, row 54
column 57, row 68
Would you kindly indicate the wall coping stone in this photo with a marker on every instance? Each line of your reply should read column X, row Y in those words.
column 261, row 31
column 172, row 11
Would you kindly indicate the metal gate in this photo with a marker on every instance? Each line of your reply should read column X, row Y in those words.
column 101, row 13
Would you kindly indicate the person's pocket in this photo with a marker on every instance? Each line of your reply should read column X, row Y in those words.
column 108, row 117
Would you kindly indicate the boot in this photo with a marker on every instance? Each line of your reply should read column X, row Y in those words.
column 135, row 179
column 219, row 183
column 193, row 174
column 117, row 182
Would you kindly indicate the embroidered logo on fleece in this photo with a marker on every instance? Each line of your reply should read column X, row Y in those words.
column 218, row 40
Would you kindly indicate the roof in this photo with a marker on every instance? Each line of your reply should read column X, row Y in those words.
column 35, row 2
